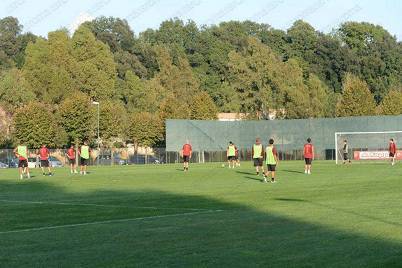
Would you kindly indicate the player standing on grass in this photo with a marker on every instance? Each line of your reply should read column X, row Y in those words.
column 44, row 160
column 392, row 151
column 22, row 153
column 258, row 155
column 186, row 153
column 71, row 159
column 231, row 154
column 237, row 157
column 345, row 150
column 84, row 158
column 271, row 160
column 308, row 156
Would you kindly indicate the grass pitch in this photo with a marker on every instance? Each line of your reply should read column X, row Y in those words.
column 159, row 216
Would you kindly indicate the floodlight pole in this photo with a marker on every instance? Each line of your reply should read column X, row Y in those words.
column 98, row 140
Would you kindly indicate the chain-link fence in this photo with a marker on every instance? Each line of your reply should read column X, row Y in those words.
column 127, row 156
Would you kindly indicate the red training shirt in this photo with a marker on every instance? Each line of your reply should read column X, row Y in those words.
column 71, row 153
column 187, row 149
column 44, row 153
column 392, row 147
column 308, row 150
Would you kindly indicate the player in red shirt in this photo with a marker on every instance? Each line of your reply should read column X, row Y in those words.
column 71, row 159
column 392, row 151
column 186, row 152
column 308, row 156
column 44, row 160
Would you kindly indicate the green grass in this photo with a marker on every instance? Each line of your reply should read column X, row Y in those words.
column 159, row 216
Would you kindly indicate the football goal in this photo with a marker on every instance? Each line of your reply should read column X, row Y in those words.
column 366, row 146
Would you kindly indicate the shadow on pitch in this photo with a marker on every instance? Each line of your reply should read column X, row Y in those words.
column 253, row 178
column 292, row 171
column 236, row 235
column 245, row 173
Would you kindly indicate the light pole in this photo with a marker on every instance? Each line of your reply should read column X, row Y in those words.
column 98, row 140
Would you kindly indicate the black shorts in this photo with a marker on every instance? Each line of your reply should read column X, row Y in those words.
column 257, row 162
column 308, row 161
column 186, row 158
column 44, row 163
column 71, row 161
column 231, row 158
column 84, row 162
column 271, row 167
column 391, row 154
column 23, row 163
column 345, row 156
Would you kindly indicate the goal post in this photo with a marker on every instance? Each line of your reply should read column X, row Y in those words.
column 372, row 145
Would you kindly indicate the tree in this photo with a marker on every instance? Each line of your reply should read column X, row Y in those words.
column 112, row 121
column 10, row 28
column 14, row 90
column 50, row 68
column 318, row 97
column 77, row 117
column 5, row 127
column 202, row 107
column 96, row 74
column 356, row 99
column 172, row 108
column 392, row 103
column 145, row 129
column 35, row 124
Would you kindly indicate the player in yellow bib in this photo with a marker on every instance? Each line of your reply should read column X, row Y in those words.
column 22, row 153
column 271, row 160
column 84, row 158
column 231, row 155
column 257, row 152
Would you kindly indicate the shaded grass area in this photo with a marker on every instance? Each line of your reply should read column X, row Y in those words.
column 159, row 216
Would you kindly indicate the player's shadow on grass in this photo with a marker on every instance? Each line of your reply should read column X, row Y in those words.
column 292, row 171
column 245, row 173
column 290, row 199
column 130, row 227
column 254, row 178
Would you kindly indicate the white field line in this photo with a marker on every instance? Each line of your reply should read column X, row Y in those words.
column 98, row 205
column 107, row 222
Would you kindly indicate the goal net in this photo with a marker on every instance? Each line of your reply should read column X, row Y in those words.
column 366, row 146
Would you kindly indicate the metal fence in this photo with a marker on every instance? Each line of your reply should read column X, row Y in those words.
column 126, row 156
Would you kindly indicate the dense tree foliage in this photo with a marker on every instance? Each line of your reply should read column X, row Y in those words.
column 184, row 71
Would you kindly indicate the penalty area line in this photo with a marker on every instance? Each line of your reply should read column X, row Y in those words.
column 107, row 222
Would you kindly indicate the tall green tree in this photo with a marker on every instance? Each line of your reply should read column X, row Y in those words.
column 14, row 90
column 202, row 107
column 145, row 129
column 356, row 99
column 96, row 74
column 391, row 103
column 35, row 124
column 112, row 120
column 77, row 117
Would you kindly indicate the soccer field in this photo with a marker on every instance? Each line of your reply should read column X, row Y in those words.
column 159, row 216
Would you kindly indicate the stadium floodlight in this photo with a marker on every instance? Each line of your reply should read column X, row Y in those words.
column 371, row 145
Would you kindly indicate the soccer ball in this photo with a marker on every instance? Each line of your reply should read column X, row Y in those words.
column 223, row 165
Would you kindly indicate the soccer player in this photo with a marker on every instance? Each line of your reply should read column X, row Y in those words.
column 237, row 157
column 71, row 159
column 345, row 150
column 392, row 151
column 186, row 153
column 258, row 155
column 271, row 160
column 84, row 158
column 22, row 153
column 231, row 154
column 308, row 156
column 44, row 160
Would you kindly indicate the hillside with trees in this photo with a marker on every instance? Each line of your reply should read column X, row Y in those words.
column 186, row 71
